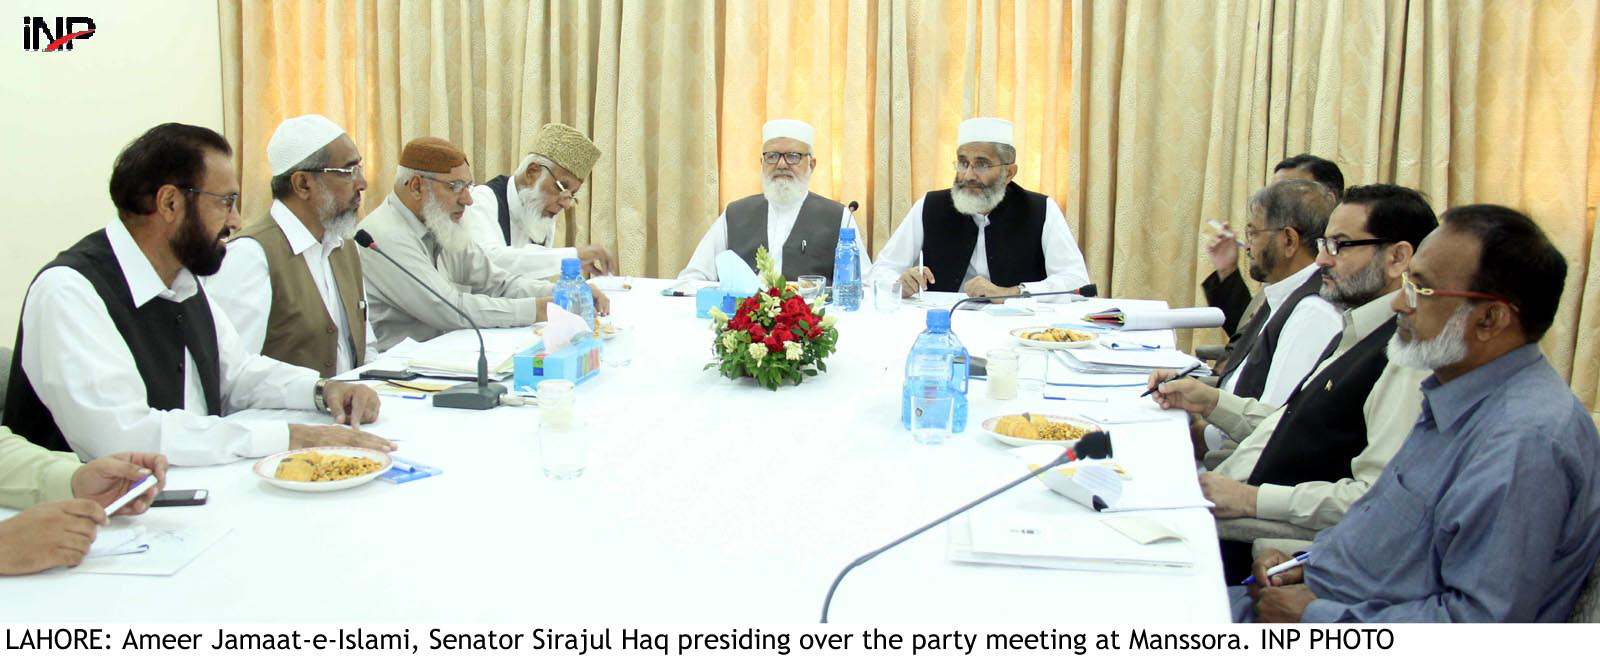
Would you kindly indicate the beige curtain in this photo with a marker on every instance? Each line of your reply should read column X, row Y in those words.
column 1180, row 110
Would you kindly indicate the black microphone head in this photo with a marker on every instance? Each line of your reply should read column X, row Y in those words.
column 1094, row 445
column 853, row 205
column 364, row 239
column 1089, row 291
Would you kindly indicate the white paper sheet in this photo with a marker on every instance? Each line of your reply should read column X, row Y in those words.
column 173, row 545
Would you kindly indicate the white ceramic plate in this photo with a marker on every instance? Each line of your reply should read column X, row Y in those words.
column 990, row 423
column 1017, row 334
column 266, row 467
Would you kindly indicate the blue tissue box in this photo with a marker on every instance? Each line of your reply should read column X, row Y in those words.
column 578, row 362
column 715, row 297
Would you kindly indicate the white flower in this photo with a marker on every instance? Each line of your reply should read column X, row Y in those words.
column 758, row 351
column 828, row 321
column 729, row 341
column 792, row 350
column 817, row 305
column 773, row 312
column 718, row 316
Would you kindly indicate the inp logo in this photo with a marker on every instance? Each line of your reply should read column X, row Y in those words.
column 38, row 37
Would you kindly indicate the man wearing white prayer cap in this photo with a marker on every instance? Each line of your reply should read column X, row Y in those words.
column 513, row 217
column 799, row 228
column 291, row 284
column 986, row 236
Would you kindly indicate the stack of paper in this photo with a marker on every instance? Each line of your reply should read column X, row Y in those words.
column 1098, row 361
column 1007, row 534
column 462, row 364
column 1151, row 319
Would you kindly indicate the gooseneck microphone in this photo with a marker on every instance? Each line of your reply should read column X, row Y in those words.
column 467, row 396
column 979, row 366
column 1093, row 445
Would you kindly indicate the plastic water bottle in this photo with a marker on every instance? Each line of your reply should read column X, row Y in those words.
column 933, row 403
column 573, row 293
column 847, row 272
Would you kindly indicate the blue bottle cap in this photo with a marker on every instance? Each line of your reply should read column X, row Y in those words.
column 847, row 234
column 571, row 266
column 939, row 319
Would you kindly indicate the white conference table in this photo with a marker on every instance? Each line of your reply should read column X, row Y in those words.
column 705, row 500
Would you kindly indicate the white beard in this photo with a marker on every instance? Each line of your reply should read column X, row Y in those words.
column 1445, row 349
column 535, row 223
column 453, row 238
column 785, row 191
column 343, row 223
column 978, row 202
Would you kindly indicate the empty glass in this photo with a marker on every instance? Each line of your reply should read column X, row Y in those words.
column 1033, row 368
column 562, row 447
column 617, row 349
column 886, row 295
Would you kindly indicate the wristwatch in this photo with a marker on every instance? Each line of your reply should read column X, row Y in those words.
column 1022, row 288
column 317, row 395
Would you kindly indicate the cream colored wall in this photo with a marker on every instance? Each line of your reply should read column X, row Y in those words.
column 65, row 116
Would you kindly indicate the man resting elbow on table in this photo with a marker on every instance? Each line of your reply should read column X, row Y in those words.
column 1490, row 511
column 63, row 501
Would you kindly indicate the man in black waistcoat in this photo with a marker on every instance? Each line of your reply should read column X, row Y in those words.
column 985, row 236
column 1309, row 461
column 120, row 349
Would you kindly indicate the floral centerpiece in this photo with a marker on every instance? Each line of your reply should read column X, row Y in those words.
column 774, row 336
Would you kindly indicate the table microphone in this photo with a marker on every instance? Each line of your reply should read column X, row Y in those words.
column 1093, row 445
column 482, row 395
column 980, row 366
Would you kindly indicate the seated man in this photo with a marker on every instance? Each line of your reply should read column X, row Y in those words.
column 290, row 283
column 63, row 501
column 1285, row 338
column 1490, row 511
column 119, row 348
column 1223, row 288
column 1307, row 462
column 799, row 228
column 419, row 225
column 986, row 236
column 513, row 218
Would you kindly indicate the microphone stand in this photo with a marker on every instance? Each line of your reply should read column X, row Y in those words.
column 481, row 395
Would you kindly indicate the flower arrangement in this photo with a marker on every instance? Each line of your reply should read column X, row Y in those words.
column 774, row 336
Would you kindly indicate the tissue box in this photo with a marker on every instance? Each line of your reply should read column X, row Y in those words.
column 578, row 362
column 715, row 297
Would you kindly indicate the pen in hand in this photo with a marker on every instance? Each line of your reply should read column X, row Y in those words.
column 1182, row 374
column 1280, row 567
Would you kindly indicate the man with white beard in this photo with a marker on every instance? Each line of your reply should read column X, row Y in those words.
column 513, row 217
column 418, row 225
column 291, row 285
column 799, row 228
column 1308, row 461
column 986, row 236
column 1490, row 511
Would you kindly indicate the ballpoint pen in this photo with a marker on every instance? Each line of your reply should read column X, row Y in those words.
column 1191, row 369
column 1281, row 567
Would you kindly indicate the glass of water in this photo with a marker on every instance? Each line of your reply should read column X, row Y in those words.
column 1033, row 369
column 886, row 295
column 932, row 416
column 563, row 447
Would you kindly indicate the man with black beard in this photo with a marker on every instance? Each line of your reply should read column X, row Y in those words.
column 986, row 236
column 291, row 284
column 120, row 349
column 799, row 228
column 1307, row 462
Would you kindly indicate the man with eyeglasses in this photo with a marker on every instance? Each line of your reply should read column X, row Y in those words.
column 513, row 218
column 985, row 236
column 1490, row 511
column 1307, row 462
column 121, row 349
column 291, row 284
column 419, row 226
column 799, row 228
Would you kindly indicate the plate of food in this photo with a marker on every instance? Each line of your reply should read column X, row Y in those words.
column 323, row 468
column 1052, row 337
column 1034, row 428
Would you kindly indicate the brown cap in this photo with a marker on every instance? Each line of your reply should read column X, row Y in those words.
column 568, row 147
column 431, row 154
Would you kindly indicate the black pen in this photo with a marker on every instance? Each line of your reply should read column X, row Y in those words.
column 1182, row 374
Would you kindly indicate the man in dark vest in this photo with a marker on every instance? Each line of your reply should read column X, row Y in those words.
column 1224, row 289
column 513, row 217
column 291, row 283
column 1285, row 339
column 799, row 228
column 1307, row 462
column 119, row 348
column 985, row 236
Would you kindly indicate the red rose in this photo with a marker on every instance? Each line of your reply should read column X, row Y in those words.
column 794, row 305
column 783, row 334
column 757, row 333
column 773, row 345
column 816, row 331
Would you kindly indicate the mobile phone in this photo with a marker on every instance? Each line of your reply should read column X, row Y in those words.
column 180, row 498
column 386, row 374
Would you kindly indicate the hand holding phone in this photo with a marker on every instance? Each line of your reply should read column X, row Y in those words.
column 181, row 498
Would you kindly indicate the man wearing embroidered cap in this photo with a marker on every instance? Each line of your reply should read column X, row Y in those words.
column 987, row 236
column 513, row 217
column 799, row 228
column 290, row 283
column 419, row 226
